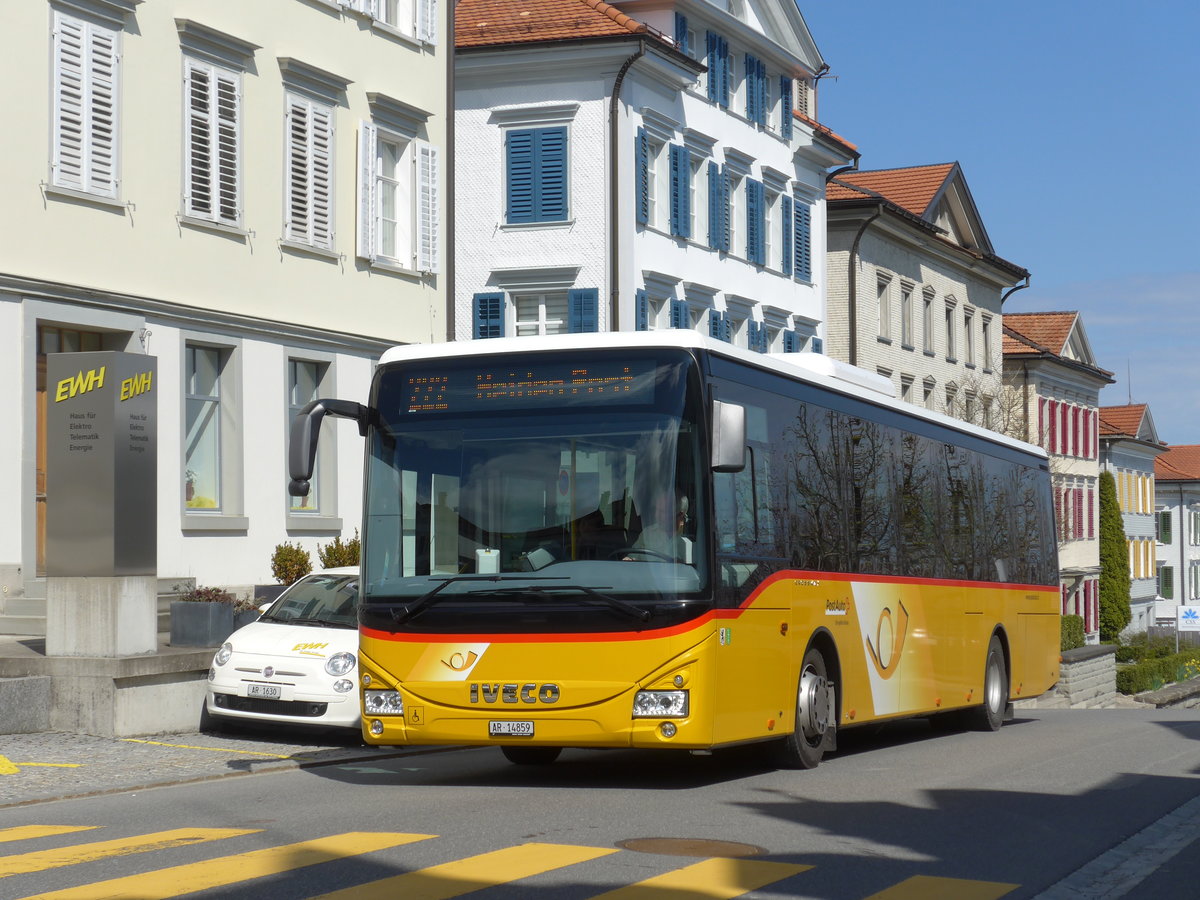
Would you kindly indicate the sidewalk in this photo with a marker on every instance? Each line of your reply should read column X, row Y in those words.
column 55, row 766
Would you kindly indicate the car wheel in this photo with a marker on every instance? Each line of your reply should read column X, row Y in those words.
column 816, row 716
column 990, row 716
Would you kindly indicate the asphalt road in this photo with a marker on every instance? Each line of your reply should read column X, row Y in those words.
column 1079, row 804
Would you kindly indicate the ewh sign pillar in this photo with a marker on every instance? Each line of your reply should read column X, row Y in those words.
column 101, row 504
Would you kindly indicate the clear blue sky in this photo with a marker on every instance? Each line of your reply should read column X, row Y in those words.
column 1077, row 125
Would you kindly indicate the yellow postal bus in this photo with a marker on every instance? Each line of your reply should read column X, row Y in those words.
column 657, row 540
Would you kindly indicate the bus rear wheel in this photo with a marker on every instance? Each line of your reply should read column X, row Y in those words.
column 816, row 716
column 990, row 716
column 531, row 756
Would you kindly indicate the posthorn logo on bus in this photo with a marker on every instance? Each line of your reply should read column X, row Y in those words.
column 514, row 693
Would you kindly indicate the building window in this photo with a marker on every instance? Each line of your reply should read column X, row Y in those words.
column 906, row 315
column 680, row 164
column 927, row 319
column 414, row 18
column 556, row 312
column 212, row 153
column 949, row 316
column 85, row 116
column 536, row 174
column 304, row 382
column 1163, row 533
column 398, row 215
column 1166, row 582
column 308, row 176
column 986, row 322
column 802, row 237
column 202, row 439
column 969, row 336
column 883, row 296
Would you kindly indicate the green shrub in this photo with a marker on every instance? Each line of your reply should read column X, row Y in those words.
column 1139, row 646
column 339, row 553
column 1072, row 632
column 1152, row 674
column 290, row 562
column 208, row 595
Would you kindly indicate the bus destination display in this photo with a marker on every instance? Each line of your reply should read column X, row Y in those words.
column 531, row 385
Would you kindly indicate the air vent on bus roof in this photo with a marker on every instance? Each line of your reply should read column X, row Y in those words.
column 819, row 364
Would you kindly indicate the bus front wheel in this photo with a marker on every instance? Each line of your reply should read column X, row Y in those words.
column 990, row 716
column 816, row 716
column 531, row 756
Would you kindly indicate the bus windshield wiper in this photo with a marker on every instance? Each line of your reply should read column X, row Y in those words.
column 408, row 610
column 642, row 615
column 307, row 620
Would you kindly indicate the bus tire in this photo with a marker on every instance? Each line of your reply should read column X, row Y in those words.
column 816, row 716
column 531, row 756
column 990, row 715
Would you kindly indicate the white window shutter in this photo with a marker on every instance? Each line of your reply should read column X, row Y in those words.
column 427, row 207
column 228, row 108
column 67, row 164
column 296, row 143
column 426, row 25
column 197, row 156
column 102, row 105
column 368, row 141
column 322, row 176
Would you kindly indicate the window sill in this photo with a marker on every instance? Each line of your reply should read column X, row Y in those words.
column 312, row 522
column 390, row 268
column 909, row 347
column 201, row 522
column 218, row 227
column 310, row 250
column 929, row 353
column 555, row 225
column 969, row 365
column 62, row 193
column 884, row 340
column 953, row 360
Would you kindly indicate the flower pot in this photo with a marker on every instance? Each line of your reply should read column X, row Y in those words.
column 197, row 624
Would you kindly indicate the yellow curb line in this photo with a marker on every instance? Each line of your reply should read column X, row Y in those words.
column 214, row 749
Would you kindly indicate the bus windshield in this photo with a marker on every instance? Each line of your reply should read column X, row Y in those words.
column 558, row 488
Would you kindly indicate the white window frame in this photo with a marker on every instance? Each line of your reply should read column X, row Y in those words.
column 309, row 203
column 883, row 298
column 216, row 137
column 542, row 323
column 228, row 514
column 414, row 19
column 85, row 120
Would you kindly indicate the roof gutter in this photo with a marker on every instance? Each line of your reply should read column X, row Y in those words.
column 1014, row 289
column 614, row 222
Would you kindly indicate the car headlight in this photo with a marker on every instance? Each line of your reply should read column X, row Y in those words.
column 223, row 654
column 660, row 704
column 383, row 703
column 340, row 663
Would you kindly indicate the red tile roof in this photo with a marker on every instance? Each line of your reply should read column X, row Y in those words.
column 1038, row 331
column 482, row 23
column 912, row 189
column 1123, row 420
column 1180, row 463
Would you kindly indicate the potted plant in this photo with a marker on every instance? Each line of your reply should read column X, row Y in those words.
column 202, row 617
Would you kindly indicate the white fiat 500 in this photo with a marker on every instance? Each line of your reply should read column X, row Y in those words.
column 298, row 663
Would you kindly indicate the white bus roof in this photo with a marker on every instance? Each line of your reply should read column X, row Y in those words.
column 813, row 368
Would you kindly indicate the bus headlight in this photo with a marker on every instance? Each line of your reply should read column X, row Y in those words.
column 660, row 704
column 383, row 703
column 339, row 663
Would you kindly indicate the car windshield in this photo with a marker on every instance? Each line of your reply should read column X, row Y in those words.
column 329, row 600
column 568, row 484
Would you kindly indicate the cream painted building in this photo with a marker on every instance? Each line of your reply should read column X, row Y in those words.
column 252, row 193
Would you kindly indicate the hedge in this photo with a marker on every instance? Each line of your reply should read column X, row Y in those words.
column 1152, row 674
column 1072, row 632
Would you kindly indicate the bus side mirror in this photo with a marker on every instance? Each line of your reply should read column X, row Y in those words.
column 302, row 438
column 728, row 437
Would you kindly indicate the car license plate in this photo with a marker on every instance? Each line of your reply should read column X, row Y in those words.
column 267, row 691
column 510, row 729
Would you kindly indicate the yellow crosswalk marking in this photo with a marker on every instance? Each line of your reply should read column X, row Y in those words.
column 214, row 873
column 27, row 832
column 926, row 887
column 713, row 878
column 41, row 860
column 463, row 876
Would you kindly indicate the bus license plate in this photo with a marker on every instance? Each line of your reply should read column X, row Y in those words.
column 510, row 729
column 267, row 691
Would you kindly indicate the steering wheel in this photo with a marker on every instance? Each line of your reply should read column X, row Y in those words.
column 631, row 551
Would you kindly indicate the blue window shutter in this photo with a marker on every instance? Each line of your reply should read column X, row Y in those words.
column 681, row 195
column 763, row 94
column 679, row 314
column 716, row 327
column 643, row 176
column 681, row 33
column 519, row 175
column 726, row 72
column 802, row 223
column 711, row 46
column 583, row 310
column 787, row 243
column 791, row 342
column 752, row 335
column 642, row 311
column 818, row 345
column 785, row 107
column 550, row 168
column 489, row 315
column 752, row 92
column 755, row 221
column 726, row 188
column 714, row 205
